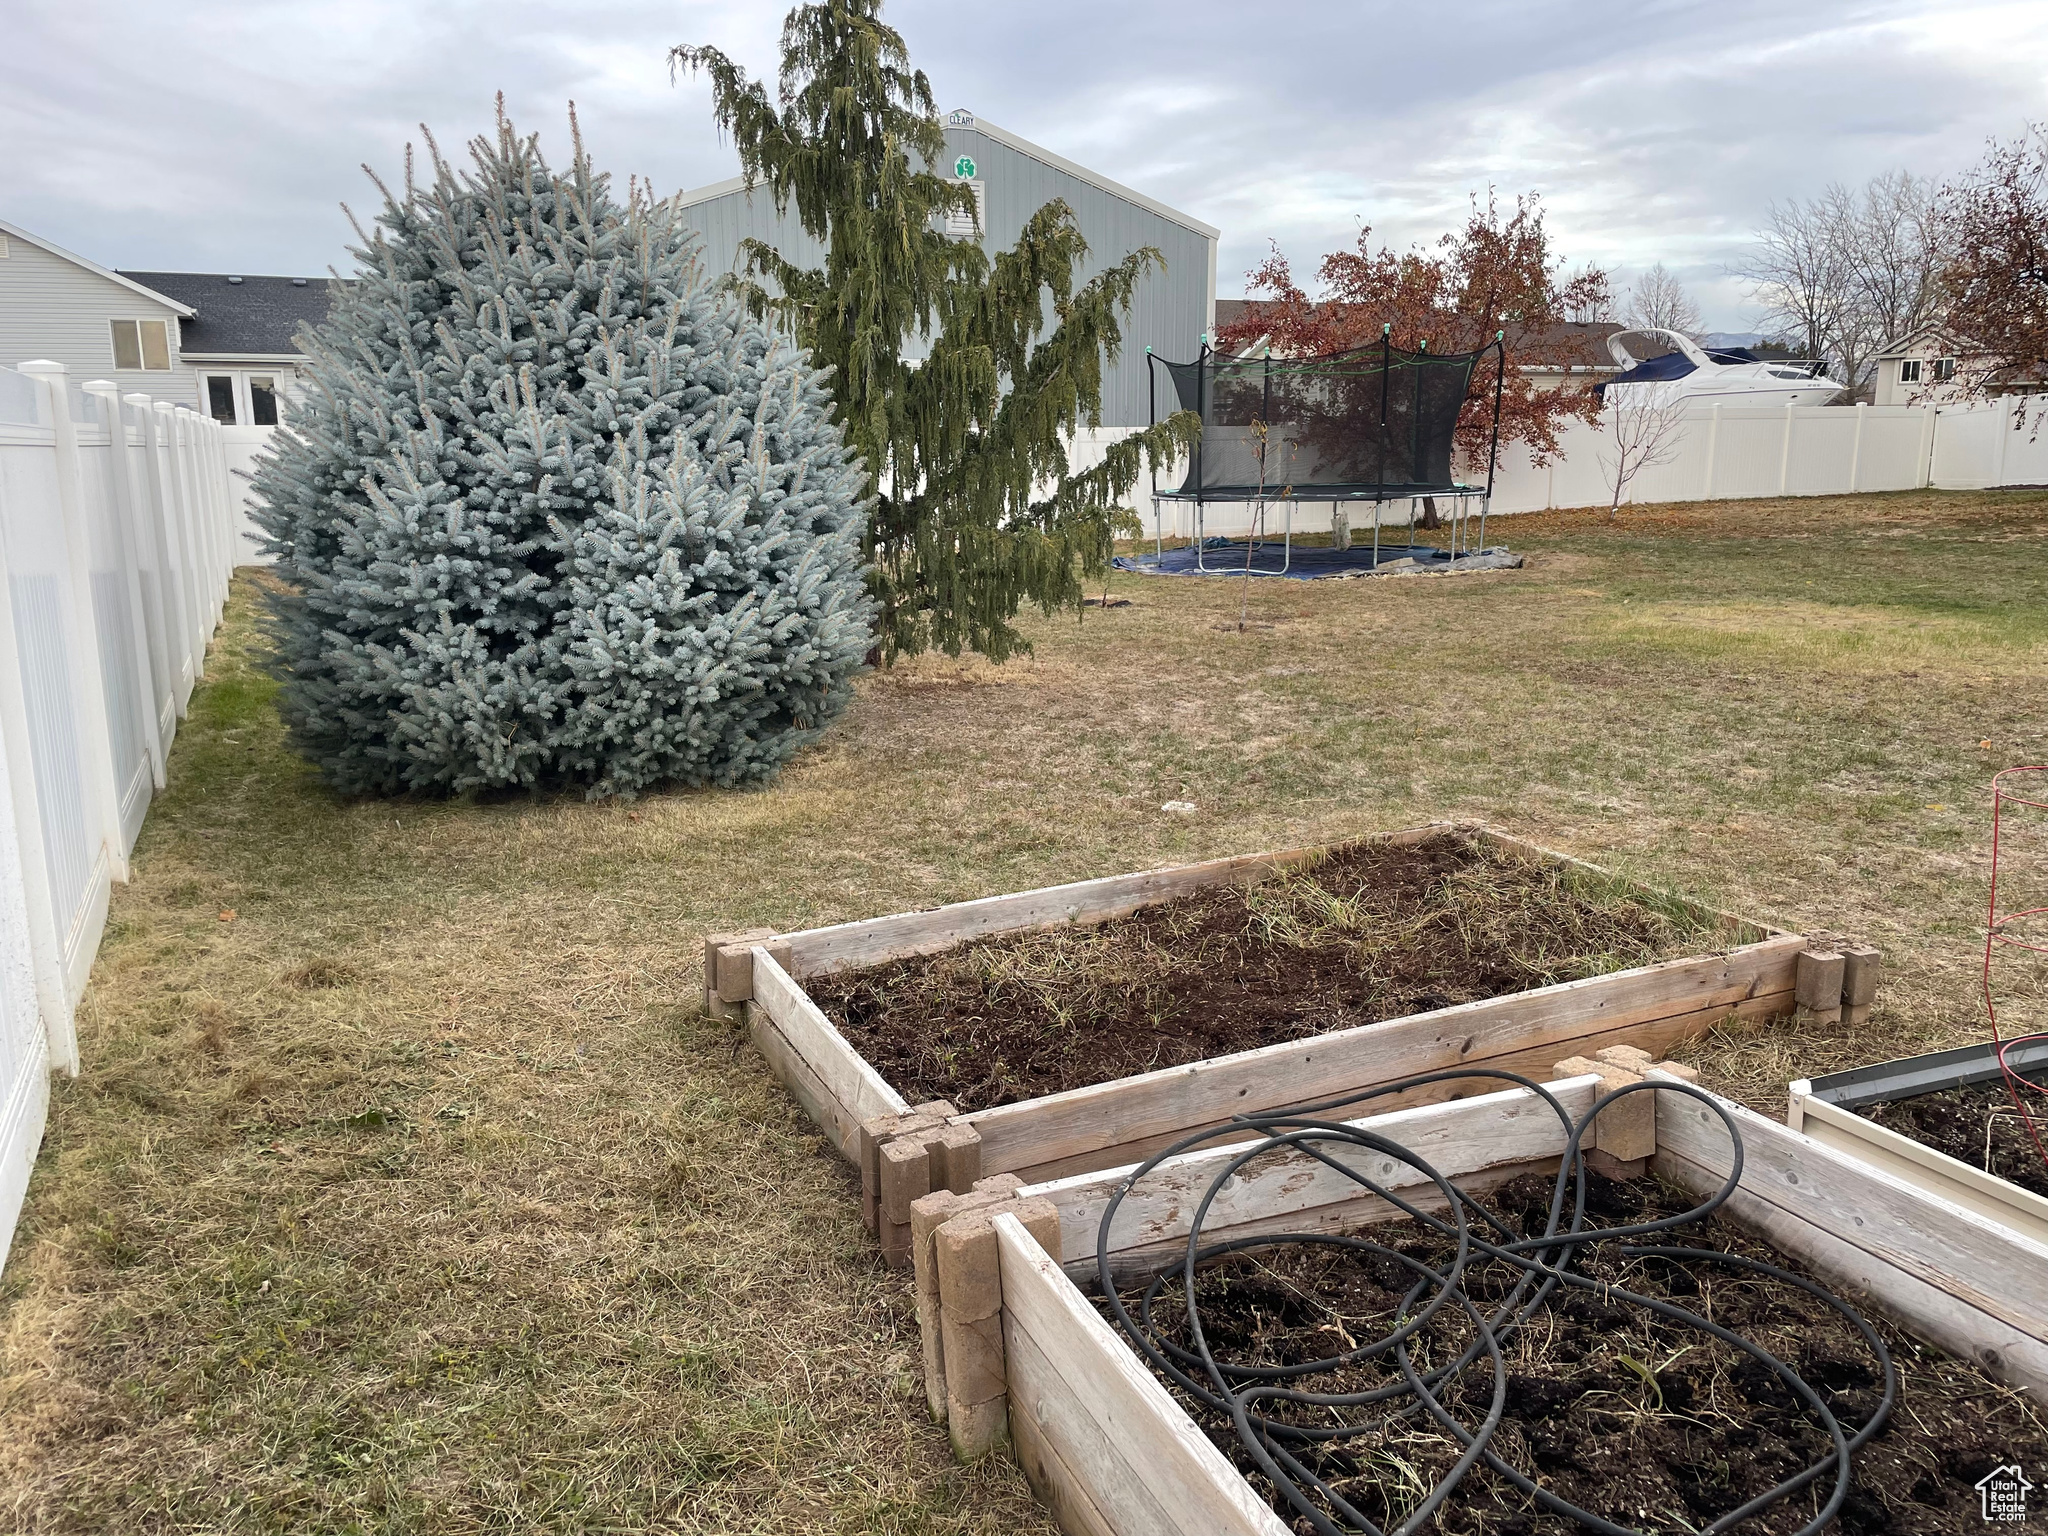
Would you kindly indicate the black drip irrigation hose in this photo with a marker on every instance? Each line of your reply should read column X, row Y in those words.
column 1545, row 1262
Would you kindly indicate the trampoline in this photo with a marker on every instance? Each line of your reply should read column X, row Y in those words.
column 1369, row 425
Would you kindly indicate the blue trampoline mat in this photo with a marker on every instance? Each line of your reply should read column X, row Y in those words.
column 1311, row 562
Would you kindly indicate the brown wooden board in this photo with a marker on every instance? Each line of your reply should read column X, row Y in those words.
column 1127, row 1120
column 1142, row 1461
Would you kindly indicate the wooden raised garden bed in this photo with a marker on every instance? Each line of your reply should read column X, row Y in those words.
column 1018, row 1354
column 1734, row 968
column 1899, row 1115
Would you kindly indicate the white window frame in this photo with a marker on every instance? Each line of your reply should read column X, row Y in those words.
column 245, row 405
column 1909, row 370
column 1944, row 369
column 142, row 352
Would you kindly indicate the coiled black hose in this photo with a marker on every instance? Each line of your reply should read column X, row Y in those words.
column 1545, row 1263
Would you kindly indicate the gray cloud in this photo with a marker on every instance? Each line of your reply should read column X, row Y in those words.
column 222, row 134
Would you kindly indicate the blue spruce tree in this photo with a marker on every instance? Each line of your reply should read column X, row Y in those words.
column 554, row 511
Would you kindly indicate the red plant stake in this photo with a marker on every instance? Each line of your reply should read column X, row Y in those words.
column 1996, row 933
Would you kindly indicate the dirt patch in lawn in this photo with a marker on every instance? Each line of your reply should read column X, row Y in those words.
column 1372, row 932
column 1647, row 1422
column 1978, row 1125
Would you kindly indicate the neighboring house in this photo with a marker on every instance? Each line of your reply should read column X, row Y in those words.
column 1924, row 364
column 1933, row 365
column 238, row 346
column 1012, row 179
column 237, row 339
column 61, row 307
column 217, row 343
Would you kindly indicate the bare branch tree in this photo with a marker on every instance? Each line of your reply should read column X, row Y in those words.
column 1900, row 251
column 1644, row 428
column 1658, row 300
column 1846, row 272
column 1798, row 272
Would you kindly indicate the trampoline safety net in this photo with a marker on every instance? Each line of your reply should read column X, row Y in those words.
column 1375, row 423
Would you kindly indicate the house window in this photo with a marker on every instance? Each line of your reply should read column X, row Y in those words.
column 142, row 344
column 1944, row 369
column 220, row 398
column 262, row 400
column 1909, row 371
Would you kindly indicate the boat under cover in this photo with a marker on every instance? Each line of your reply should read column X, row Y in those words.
column 1729, row 375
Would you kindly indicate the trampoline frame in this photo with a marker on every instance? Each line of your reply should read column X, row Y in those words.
column 1462, row 495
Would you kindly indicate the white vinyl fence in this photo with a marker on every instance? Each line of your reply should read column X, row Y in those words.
column 115, row 529
column 1721, row 452
column 1726, row 452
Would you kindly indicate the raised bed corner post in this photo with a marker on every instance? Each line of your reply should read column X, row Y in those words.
column 1860, row 964
column 959, row 1287
column 1835, row 979
column 729, row 969
column 905, row 1157
column 1817, row 984
column 1624, row 1139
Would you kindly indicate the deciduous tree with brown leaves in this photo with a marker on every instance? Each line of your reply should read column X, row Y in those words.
column 1496, row 275
column 1997, row 275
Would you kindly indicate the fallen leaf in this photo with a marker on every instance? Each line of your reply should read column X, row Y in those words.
column 227, row 914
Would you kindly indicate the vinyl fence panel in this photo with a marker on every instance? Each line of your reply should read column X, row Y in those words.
column 1715, row 452
column 114, row 566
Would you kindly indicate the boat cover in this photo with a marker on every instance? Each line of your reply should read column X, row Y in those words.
column 1674, row 365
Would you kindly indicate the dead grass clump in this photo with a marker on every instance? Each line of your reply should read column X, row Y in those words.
column 319, row 972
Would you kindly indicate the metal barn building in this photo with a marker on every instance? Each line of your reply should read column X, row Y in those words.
column 1013, row 178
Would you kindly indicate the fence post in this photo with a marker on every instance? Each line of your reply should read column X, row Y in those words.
column 88, row 677
column 184, row 519
column 2005, row 432
column 124, row 522
column 1856, row 445
column 202, row 520
column 1785, row 453
column 45, row 945
column 149, row 546
column 207, row 445
column 1927, row 433
column 1713, row 449
column 170, row 562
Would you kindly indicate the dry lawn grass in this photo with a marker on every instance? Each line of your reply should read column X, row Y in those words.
column 406, row 1190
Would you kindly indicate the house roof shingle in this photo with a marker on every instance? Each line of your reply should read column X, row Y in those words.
column 241, row 316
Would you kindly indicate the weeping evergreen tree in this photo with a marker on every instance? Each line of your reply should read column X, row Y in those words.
column 555, row 511
column 975, row 511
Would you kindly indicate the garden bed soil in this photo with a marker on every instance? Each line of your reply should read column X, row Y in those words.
column 1372, row 932
column 1977, row 1125
column 1645, row 1422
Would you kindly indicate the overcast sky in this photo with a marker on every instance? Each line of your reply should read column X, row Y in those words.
column 222, row 135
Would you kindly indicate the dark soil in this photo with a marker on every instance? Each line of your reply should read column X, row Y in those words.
column 1644, row 1422
column 1371, row 933
column 1977, row 1125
